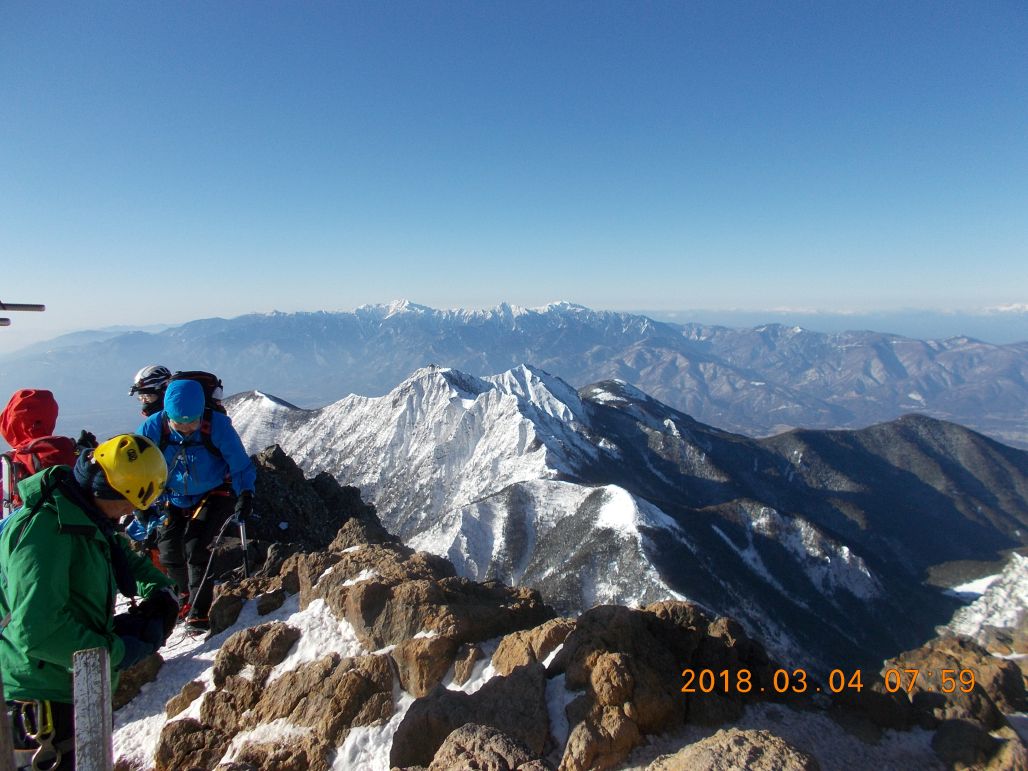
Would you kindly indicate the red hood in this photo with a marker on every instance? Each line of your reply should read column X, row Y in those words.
column 30, row 414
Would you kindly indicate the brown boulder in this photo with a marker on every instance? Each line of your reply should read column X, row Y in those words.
column 190, row 692
column 530, row 645
column 262, row 646
column 270, row 601
column 309, row 570
column 288, row 576
column 186, row 744
column 629, row 664
column 732, row 748
column 953, row 664
column 303, row 753
column 229, row 599
column 422, row 662
column 356, row 532
column 134, row 678
column 386, row 614
column 514, row 704
column 877, row 705
column 329, row 696
column 223, row 707
column 1010, row 755
column 464, row 664
column 601, row 741
column 480, row 747
column 389, row 564
column 307, row 512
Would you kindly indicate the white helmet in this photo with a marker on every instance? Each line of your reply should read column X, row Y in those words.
column 151, row 379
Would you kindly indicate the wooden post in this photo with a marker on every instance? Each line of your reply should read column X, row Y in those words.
column 6, row 739
column 94, row 741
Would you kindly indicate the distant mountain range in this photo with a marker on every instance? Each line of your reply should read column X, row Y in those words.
column 757, row 381
column 819, row 541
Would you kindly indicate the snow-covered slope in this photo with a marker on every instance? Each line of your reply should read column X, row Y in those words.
column 520, row 535
column 607, row 495
column 1003, row 604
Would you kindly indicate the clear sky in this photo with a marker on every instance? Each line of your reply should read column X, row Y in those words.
column 164, row 161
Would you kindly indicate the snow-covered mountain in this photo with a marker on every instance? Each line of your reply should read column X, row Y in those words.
column 815, row 540
column 756, row 381
column 1003, row 604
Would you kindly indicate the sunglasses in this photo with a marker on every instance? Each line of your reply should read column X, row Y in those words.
column 184, row 422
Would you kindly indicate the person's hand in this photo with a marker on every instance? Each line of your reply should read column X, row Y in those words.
column 161, row 605
column 86, row 441
column 135, row 651
column 244, row 506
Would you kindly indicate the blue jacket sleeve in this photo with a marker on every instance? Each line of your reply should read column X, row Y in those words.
column 225, row 438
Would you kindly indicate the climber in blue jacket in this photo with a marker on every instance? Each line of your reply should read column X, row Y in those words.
column 210, row 478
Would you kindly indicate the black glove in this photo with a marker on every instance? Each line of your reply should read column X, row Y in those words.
column 86, row 441
column 135, row 651
column 244, row 506
column 162, row 606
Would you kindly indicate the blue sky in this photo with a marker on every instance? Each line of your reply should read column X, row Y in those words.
column 168, row 161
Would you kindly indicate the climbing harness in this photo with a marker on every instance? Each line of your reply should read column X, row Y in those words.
column 37, row 723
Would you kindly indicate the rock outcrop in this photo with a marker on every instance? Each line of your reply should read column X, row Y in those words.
column 735, row 749
column 569, row 694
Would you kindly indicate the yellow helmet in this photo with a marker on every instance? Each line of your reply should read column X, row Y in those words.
column 134, row 467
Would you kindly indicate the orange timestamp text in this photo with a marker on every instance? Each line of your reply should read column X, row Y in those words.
column 783, row 681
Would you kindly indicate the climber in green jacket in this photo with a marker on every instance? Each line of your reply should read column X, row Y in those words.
column 62, row 565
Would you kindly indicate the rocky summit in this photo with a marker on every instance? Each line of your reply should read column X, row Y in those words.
column 412, row 667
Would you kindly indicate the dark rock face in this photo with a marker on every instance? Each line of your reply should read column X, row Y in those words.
column 514, row 705
column 293, row 509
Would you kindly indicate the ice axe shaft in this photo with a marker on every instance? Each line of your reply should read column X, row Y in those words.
column 246, row 549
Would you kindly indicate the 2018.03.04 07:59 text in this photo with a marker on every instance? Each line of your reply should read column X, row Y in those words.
column 797, row 681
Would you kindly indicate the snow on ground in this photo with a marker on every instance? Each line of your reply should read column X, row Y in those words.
column 1003, row 602
column 976, row 587
column 137, row 725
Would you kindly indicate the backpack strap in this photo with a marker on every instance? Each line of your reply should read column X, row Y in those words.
column 205, row 435
column 7, row 482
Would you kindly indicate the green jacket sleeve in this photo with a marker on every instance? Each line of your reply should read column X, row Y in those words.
column 43, row 625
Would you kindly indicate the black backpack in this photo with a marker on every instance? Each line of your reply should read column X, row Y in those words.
column 212, row 387
column 212, row 391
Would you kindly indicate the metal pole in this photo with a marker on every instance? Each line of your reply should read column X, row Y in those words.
column 94, row 740
column 21, row 306
column 246, row 548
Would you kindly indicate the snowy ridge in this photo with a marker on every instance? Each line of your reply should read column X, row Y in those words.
column 441, row 439
column 259, row 417
column 829, row 565
column 1004, row 603
column 609, row 495
column 509, row 536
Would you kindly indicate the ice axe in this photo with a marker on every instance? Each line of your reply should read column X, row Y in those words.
column 245, row 544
